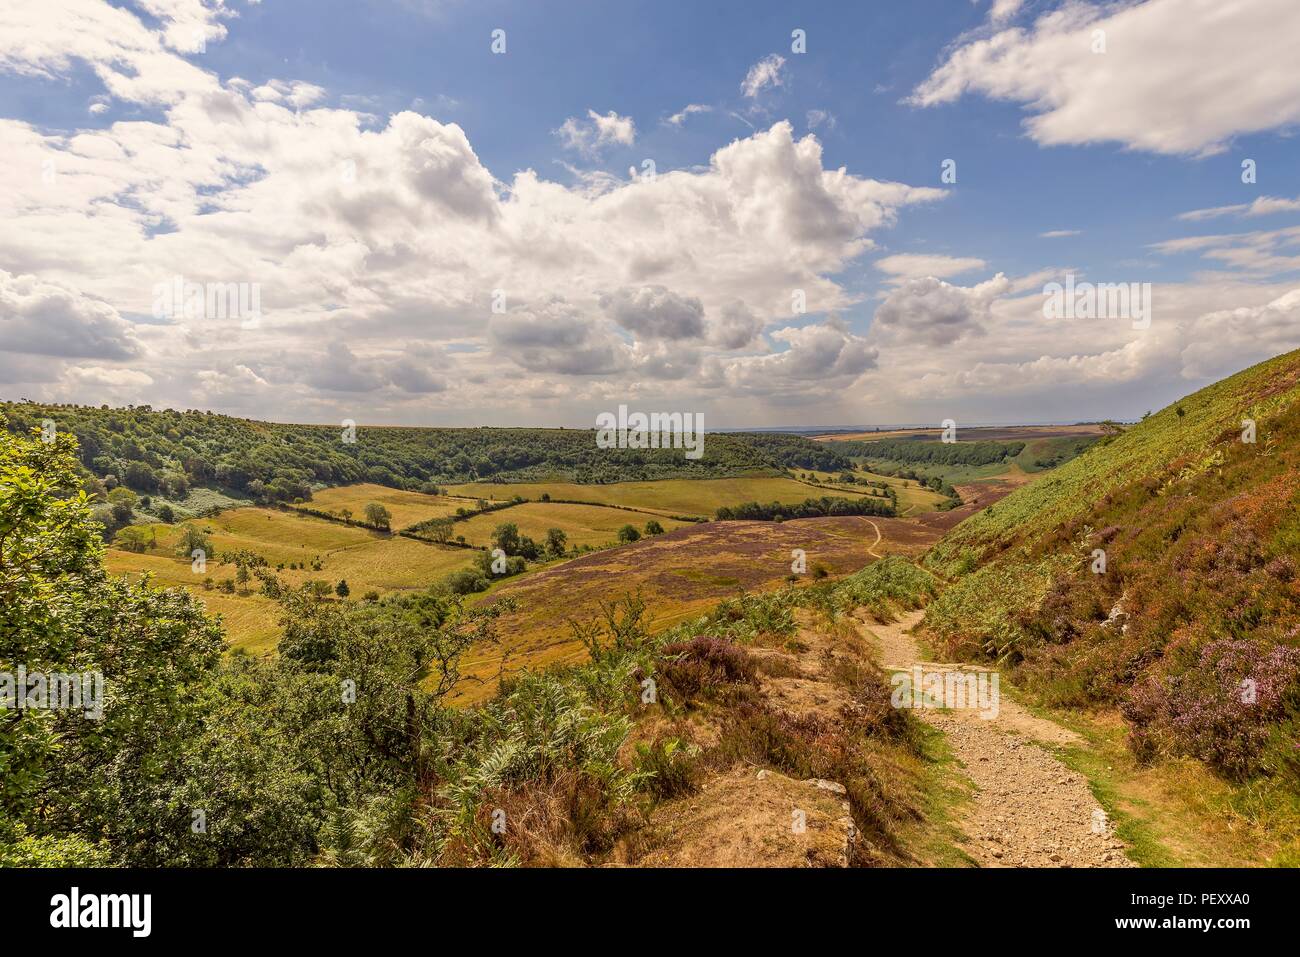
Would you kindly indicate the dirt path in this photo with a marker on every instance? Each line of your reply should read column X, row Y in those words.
column 871, row 549
column 1029, row 809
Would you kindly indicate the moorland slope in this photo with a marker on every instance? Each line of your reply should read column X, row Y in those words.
column 1155, row 575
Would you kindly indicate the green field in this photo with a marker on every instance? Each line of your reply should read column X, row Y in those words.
column 593, row 525
column 368, row 561
column 912, row 497
column 406, row 508
column 275, row 535
column 688, row 497
column 252, row 621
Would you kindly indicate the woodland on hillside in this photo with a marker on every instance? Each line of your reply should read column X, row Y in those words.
column 168, row 452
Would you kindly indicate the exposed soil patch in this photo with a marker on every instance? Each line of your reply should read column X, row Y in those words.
column 757, row 818
column 748, row 816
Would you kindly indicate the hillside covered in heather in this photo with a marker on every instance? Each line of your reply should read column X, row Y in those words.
column 1156, row 574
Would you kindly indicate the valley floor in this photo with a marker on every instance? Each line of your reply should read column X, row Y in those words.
column 686, row 571
column 680, row 574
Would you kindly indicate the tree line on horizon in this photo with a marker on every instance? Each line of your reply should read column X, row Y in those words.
column 166, row 453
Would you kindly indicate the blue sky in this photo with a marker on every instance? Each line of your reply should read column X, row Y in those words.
column 647, row 60
column 200, row 163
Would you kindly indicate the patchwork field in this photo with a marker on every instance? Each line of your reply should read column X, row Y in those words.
column 582, row 524
column 278, row 536
column 690, row 497
column 683, row 570
column 368, row 561
column 912, row 497
column 407, row 508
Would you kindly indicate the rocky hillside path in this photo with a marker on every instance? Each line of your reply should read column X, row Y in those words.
column 1028, row 809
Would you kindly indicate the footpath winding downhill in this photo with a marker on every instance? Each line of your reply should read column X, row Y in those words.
column 1028, row 809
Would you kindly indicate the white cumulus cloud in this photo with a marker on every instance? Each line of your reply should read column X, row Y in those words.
column 1168, row 82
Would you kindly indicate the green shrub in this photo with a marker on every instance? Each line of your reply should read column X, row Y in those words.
column 667, row 768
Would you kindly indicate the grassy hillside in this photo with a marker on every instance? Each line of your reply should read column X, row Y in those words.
column 922, row 457
column 1192, row 626
column 299, row 548
column 593, row 525
column 1163, row 446
column 700, row 499
column 679, row 575
column 406, row 508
